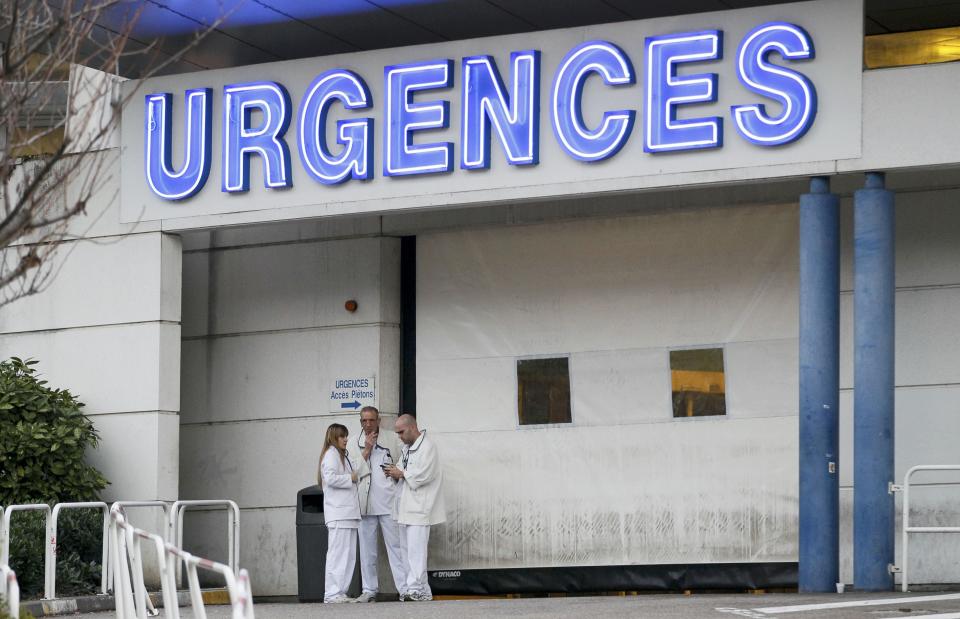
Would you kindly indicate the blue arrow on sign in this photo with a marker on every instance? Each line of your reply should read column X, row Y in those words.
column 353, row 404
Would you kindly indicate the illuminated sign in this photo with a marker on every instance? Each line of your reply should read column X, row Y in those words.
column 356, row 156
column 256, row 115
column 667, row 91
column 196, row 162
column 613, row 66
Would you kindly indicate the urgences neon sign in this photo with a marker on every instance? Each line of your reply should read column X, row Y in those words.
column 492, row 109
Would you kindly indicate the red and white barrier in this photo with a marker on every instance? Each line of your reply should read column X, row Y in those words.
column 11, row 591
column 127, row 569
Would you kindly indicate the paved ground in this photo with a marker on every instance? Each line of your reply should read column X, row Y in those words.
column 697, row 606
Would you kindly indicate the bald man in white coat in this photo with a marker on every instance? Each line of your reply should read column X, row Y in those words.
column 421, row 501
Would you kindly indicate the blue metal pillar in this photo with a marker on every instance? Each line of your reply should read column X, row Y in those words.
column 873, row 315
column 819, row 387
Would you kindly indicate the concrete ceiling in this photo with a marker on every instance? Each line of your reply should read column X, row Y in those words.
column 255, row 31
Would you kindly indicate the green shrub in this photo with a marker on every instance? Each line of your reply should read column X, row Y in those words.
column 43, row 437
column 79, row 552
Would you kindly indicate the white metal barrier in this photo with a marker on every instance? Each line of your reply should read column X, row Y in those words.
column 5, row 527
column 50, row 583
column 164, row 505
column 238, row 587
column 907, row 529
column 172, row 517
column 5, row 532
column 127, row 567
column 175, row 527
column 10, row 591
column 126, row 557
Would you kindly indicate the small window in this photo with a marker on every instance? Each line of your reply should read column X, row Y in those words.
column 697, row 382
column 543, row 391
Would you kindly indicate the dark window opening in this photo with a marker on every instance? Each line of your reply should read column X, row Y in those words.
column 543, row 390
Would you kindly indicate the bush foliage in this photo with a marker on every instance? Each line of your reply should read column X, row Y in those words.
column 43, row 438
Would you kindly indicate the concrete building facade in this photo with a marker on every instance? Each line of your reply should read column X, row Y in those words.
column 206, row 334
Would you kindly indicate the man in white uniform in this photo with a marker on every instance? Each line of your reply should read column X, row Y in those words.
column 378, row 492
column 421, row 502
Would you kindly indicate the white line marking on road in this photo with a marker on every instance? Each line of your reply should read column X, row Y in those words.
column 884, row 602
column 743, row 612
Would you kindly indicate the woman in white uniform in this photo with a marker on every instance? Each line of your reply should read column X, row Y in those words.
column 341, row 513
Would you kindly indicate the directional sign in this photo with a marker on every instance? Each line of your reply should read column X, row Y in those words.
column 351, row 393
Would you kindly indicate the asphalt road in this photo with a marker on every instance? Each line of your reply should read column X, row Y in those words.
column 697, row 606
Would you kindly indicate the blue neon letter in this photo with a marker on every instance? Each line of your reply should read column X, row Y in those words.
column 240, row 140
column 666, row 91
column 356, row 158
column 189, row 180
column 515, row 115
column 793, row 91
column 404, row 118
column 613, row 66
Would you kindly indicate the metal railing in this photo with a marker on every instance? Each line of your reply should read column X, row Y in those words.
column 131, row 595
column 5, row 532
column 164, row 505
column 10, row 591
column 175, row 527
column 907, row 528
column 238, row 587
column 173, row 536
column 50, row 582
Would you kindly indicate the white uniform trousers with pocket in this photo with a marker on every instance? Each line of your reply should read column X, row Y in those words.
column 395, row 552
column 417, row 537
column 341, row 559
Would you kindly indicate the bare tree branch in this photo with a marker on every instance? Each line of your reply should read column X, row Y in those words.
column 56, row 116
column 27, row 262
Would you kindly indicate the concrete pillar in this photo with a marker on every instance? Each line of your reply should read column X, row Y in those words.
column 873, row 504
column 819, row 387
column 108, row 329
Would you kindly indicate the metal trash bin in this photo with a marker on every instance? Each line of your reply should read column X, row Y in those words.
column 312, row 548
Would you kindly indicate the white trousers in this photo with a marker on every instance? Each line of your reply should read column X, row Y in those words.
column 416, row 537
column 341, row 558
column 368, row 552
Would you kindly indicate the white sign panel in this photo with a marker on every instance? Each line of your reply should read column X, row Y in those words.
column 763, row 92
column 351, row 393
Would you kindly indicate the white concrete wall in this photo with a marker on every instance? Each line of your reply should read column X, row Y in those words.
column 108, row 329
column 615, row 294
column 265, row 334
column 625, row 482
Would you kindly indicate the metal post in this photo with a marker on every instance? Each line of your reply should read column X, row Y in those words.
column 819, row 568
column 50, row 557
column 873, row 503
